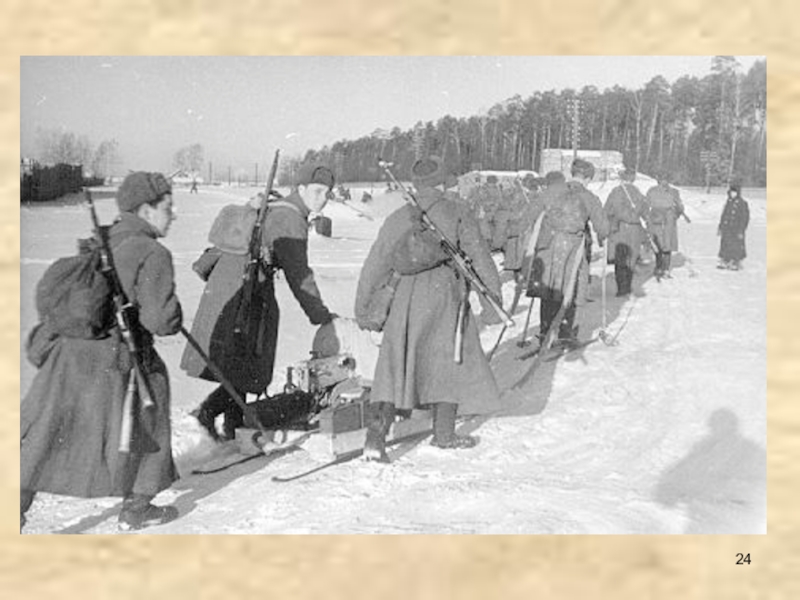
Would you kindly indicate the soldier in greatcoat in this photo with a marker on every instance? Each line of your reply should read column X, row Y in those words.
column 625, row 210
column 568, row 207
column 664, row 208
column 248, row 362
column 416, row 366
column 732, row 226
column 71, row 418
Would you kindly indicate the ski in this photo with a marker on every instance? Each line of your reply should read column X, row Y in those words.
column 552, row 331
column 231, row 455
column 342, row 458
column 405, row 444
column 568, row 348
column 558, row 349
column 224, row 462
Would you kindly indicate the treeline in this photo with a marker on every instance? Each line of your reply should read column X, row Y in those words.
column 693, row 128
column 65, row 147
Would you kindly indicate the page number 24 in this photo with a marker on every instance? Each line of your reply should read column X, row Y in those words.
column 743, row 559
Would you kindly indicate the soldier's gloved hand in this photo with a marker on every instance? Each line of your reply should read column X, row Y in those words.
column 416, row 218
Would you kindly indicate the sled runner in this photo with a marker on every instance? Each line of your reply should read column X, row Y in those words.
column 324, row 409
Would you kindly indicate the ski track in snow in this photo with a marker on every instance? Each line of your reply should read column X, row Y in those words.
column 662, row 433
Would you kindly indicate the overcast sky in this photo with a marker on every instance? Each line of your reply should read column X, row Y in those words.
column 242, row 108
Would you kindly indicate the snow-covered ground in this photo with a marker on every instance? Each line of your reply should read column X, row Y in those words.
column 664, row 432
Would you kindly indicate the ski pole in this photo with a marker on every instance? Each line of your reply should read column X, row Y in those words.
column 524, row 341
column 497, row 343
column 251, row 419
column 603, row 335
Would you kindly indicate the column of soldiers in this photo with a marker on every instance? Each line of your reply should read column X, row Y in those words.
column 71, row 416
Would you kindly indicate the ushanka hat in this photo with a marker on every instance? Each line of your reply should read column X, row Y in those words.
column 141, row 188
column 582, row 168
column 320, row 176
column 628, row 174
column 428, row 172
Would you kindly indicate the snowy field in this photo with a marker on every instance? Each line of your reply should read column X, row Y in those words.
column 664, row 432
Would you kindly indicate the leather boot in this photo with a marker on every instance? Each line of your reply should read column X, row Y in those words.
column 138, row 513
column 206, row 414
column 380, row 420
column 234, row 419
column 668, row 265
column 444, row 428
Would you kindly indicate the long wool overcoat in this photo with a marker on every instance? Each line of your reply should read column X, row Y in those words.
column 416, row 363
column 248, row 362
column 569, row 206
column 71, row 416
column 624, row 209
column 732, row 226
column 664, row 208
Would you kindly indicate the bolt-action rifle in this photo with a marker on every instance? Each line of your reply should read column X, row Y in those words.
column 253, row 266
column 126, row 323
column 460, row 261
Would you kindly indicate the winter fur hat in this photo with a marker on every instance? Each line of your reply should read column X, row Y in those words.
column 320, row 176
column 428, row 172
column 141, row 188
column 736, row 186
column 582, row 168
column 628, row 174
column 530, row 181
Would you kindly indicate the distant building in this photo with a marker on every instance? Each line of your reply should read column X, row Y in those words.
column 606, row 162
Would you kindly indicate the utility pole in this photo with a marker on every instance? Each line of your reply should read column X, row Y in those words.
column 576, row 131
column 229, row 176
column 210, row 173
column 256, row 174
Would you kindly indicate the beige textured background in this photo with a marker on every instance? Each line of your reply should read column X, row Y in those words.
column 355, row 567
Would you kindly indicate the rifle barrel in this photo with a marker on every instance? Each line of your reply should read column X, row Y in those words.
column 462, row 262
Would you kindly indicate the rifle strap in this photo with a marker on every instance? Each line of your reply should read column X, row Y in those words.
column 633, row 204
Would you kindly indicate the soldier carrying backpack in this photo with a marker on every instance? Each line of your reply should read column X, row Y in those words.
column 568, row 208
column 96, row 419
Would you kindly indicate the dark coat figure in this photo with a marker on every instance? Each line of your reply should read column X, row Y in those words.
column 70, row 421
column 193, row 189
column 508, row 231
column 625, row 209
column 569, row 207
column 248, row 362
column 664, row 208
column 732, row 226
column 416, row 366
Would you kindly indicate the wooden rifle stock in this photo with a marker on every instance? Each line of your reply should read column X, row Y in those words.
column 122, row 308
column 461, row 262
column 252, row 268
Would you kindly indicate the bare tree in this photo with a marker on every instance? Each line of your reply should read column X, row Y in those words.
column 105, row 158
column 189, row 159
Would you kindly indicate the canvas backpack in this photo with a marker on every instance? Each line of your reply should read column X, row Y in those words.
column 74, row 296
column 567, row 213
